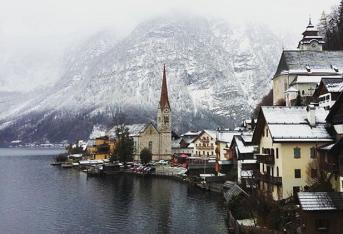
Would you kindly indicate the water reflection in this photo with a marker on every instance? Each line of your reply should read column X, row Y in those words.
column 38, row 198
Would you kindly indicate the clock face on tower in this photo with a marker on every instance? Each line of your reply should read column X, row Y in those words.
column 166, row 111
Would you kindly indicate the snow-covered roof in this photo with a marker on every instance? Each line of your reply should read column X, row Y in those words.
column 297, row 61
column 242, row 148
column 313, row 201
column 190, row 133
column 134, row 129
column 291, row 124
column 176, row 143
column 212, row 133
column 226, row 136
column 291, row 115
column 307, row 79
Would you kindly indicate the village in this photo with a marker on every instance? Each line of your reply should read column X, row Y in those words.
column 285, row 161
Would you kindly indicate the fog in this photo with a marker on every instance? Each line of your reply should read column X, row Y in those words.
column 34, row 34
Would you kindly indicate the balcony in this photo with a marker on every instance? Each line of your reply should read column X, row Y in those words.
column 205, row 147
column 265, row 158
column 269, row 179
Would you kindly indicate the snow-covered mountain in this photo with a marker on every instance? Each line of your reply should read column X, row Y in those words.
column 216, row 74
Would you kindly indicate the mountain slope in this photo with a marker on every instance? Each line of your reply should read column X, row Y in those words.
column 216, row 73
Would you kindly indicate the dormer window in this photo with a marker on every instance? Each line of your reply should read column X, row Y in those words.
column 308, row 69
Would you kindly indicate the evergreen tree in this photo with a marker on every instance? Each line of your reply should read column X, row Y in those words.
column 145, row 155
column 124, row 145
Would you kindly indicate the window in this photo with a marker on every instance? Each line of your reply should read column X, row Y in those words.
column 313, row 173
column 277, row 152
column 313, row 152
column 303, row 92
column 150, row 146
column 297, row 173
column 297, row 153
column 208, row 153
column 277, row 171
column 263, row 133
column 296, row 189
column 267, row 132
column 166, row 119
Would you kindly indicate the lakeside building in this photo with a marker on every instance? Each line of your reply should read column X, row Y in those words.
column 101, row 147
column 300, row 71
column 242, row 150
column 158, row 139
column 287, row 138
column 224, row 163
column 185, row 145
column 205, row 144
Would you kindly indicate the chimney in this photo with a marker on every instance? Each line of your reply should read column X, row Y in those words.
column 311, row 115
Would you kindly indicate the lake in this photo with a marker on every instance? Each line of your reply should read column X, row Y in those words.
column 38, row 198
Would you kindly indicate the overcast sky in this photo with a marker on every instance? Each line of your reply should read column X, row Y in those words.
column 35, row 33
column 31, row 20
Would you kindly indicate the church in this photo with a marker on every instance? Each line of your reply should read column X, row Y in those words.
column 155, row 138
column 300, row 71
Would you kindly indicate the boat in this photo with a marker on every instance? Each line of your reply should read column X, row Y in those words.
column 66, row 165
column 56, row 163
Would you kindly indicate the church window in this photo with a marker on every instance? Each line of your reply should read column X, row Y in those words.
column 166, row 119
column 303, row 92
column 150, row 146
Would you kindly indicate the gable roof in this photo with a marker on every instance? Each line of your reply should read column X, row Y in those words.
column 226, row 136
column 134, row 129
column 290, row 124
column 314, row 201
column 309, row 62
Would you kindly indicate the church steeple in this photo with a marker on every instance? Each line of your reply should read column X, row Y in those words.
column 164, row 110
column 164, row 101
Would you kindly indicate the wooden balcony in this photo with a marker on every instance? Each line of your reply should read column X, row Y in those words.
column 269, row 179
column 205, row 147
column 265, row 158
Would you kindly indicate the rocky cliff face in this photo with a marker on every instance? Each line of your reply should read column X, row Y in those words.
column 216, row 74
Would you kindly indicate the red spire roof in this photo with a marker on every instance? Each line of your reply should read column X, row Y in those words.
column 164, row 101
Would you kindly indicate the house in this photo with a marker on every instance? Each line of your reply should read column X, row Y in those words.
column 102, row 149
column 158, row 139
column 242, row 150
column 185, row 144
column 331, row 156
column 328, row 91
column 321, row 212
column 223, row 140
column 287, row 138
column 303, row 69
column 205, row 144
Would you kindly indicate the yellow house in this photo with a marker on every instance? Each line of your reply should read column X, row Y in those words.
column 287, row 138
column 102, row 148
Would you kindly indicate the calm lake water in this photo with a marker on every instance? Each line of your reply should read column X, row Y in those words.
column 38, row 198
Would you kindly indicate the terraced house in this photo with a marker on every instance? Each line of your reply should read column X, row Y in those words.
column 288, row 138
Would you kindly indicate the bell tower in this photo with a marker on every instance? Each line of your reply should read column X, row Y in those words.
column 164, row 111
column 164, row 121
column 311, row 39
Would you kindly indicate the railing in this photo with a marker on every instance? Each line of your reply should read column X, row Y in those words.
column 269, row 179
column 265, row 158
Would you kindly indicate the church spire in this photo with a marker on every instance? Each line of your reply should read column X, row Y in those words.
column 164, row 101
